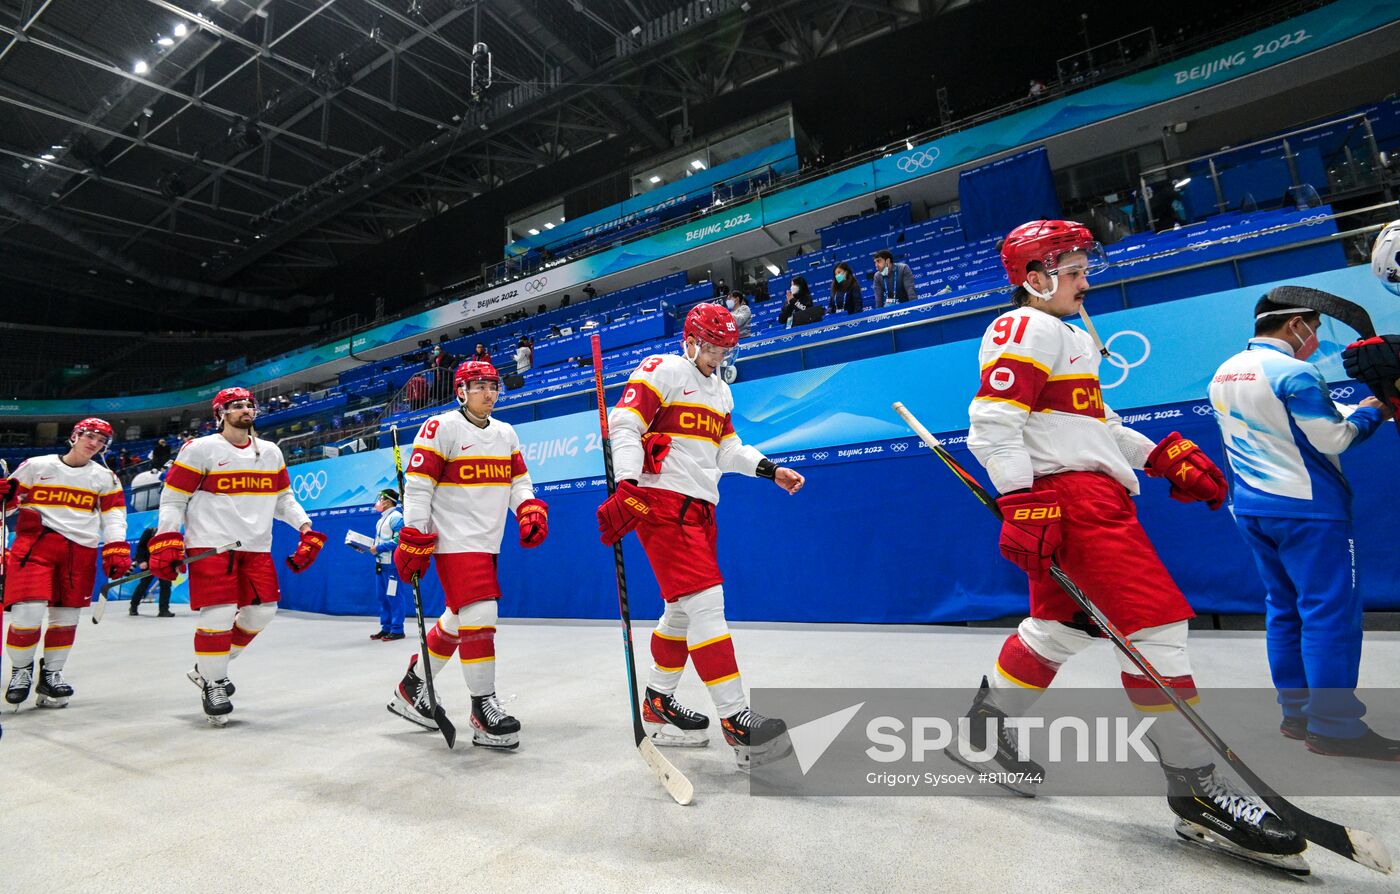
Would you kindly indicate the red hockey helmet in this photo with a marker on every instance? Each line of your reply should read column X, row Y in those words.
column 1045, row 242
column 474, row 370
column 228, row 396
column 91, row 424
column 712, row 324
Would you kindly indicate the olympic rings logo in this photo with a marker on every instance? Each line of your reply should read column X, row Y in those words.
column 1116, row 360
column 1203, row 410
column 820, row 455
column 537, row 285
column 899, row 446
column 1344, row 391
column 310, row 485
column 918, row 160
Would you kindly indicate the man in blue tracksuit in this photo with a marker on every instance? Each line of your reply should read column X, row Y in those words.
column 1292, row 505
column 386, row 538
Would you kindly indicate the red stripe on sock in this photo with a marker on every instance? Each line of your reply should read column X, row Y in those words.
column 715, row 659
column 668, row 652
column 59, row 637
column 1024, row 664
column 241, row 637
column 478, row 643
column 1143, row 693
column 22, row 637
column 440, row 643
column 212, row 642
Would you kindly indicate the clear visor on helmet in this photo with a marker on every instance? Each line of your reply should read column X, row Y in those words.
column 1087, row 260
column 719, row 356
column 482, row 386
column 242, row 404
column 91, row 434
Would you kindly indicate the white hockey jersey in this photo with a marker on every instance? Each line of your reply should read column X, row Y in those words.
column 1040, row 409
column 464, row 481
column 84, row 504
column 220, row 493
column 667, row 394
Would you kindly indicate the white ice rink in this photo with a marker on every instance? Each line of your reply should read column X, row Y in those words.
column 314, row 786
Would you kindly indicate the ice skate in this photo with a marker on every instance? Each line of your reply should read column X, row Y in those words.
column 971, row 747
column 217, row 707
column 197, row 679
column 1370, row 745
column 21, row 678
column 410, row 699
column 53, row 691
column 756, row 739
column 1213, row 813
column 669, row 723
column 492, row 727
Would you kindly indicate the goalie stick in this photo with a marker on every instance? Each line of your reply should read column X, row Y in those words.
column 99, row 607
column 449, row 732
column 675, row 782
column 1355, row 844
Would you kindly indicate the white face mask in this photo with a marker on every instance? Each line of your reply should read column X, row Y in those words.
column 792, row 289
column 1309, row 345
column 731, row 304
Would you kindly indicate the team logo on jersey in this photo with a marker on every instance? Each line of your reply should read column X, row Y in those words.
column 68, row 497
column 479, row 470
column 1002, row 378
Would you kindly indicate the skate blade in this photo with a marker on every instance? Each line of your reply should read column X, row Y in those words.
column 46, row 701
column 668, row 735
column 1024, row 790
column 507, row 742
column 1294, row 864
column 401, row 708
column 750, row 756
column 219, row 720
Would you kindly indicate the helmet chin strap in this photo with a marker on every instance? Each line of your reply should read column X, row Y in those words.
column 1043, row 296
column 685, row 351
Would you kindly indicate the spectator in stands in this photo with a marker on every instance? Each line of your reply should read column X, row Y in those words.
column 1037, row 88
column 555, row 331
column 122, row 458
column 143, row 561
column 799, row 298
column 894, row 281
column 739, row 308
column 416, row 392
column 482, row 355
column 160, row 453
column 523, row 355
column 845, row 290
column 589, row 290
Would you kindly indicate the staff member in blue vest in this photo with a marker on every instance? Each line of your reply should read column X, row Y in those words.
column 386, row 538
column 1292, row 505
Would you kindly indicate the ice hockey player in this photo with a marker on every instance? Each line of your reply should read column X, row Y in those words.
column 1292, row 506
column 1064, row 465
column 465, row 475
column 672, row 438
column 224, row 487
column 64, row 506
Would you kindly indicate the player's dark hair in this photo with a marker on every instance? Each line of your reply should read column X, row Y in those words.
column 884, row 253
column 1275, row 321
column 1022, row 296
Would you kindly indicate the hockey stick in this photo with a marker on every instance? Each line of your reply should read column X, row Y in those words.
column 99, row 607
column 4, row 531
column 449, row 732
column 1093, row 331
column 1354, row 844
column 677, row 786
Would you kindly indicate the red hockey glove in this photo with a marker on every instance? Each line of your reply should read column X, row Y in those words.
column 1030, row 531
column 116, row 559
column 306, row 551
column 655, row 446
column 621, row 512
column 533, row 516
column 8, row 488
column 1192, row 474
column 167, row 555
column 413, row 552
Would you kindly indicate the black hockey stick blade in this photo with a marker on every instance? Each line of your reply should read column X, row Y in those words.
column 1355, row 844
column 1349, row 312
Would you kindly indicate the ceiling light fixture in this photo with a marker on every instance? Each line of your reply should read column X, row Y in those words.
column 165, row 41
column 654, row 179
column 181, row 29
column 534, row 232
column 140, row 67
column 698, row 165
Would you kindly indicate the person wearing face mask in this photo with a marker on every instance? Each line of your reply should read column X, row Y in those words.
column 845, row 290
column 894, row 281
column 1292, row 504
column 799, row 297
column 738, row 307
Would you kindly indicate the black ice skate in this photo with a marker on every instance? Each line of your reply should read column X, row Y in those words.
column 1213, row 813
column 410, row 699
column 21, row 678
column 53, row 691
column 195, row 677
column 217, row 707
column 668, row 722
column 756, row 740
column 1371, row 745
column 1294, row 727
column 492, row 727
column 973, row 750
